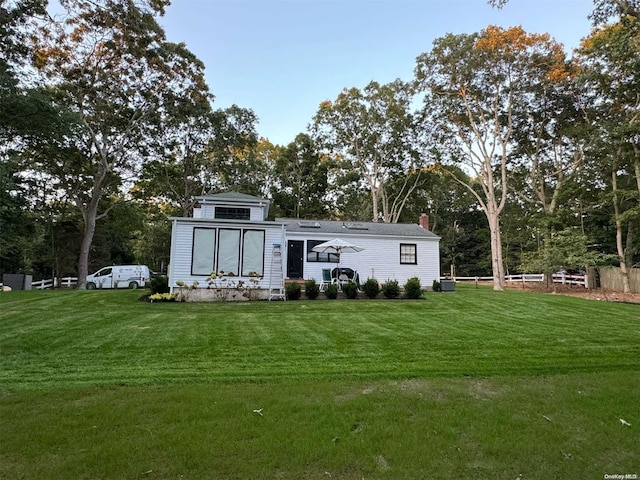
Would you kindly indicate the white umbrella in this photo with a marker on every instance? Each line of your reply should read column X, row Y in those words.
column 338, row 246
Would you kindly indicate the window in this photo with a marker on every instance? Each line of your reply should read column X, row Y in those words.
column 227, row 250
column 408, row 253
column 320, row 257
column 230, row 213
column 253, row 252
column 204, row 249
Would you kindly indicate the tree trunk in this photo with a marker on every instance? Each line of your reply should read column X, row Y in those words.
column 89, row 215
column 497, row 265
column 626, row 287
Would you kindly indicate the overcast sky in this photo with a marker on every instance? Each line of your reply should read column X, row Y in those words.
column 281, row 58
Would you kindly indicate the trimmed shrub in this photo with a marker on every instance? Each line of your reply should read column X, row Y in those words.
column 391, row 289
column 331, row 291
column 436, row 286
column 350, row 290
column 413, row 289
column 311, row 289
column 371, row 288
column 159, row 284
column 293, row 291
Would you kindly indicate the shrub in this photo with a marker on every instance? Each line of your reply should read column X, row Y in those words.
column 436, row 286
column 293, row 291
column 350, row 290
column 331, row 291
column 163, row 297
column 371, row 288
column 413, row 289
column 159, row 284
column 391, row 289
column 311, row 289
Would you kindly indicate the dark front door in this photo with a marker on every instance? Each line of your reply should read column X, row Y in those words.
column 295, row 257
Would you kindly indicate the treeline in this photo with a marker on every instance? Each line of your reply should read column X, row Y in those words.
column 524, row 157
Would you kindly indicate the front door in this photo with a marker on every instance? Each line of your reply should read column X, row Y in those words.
column 295, row 259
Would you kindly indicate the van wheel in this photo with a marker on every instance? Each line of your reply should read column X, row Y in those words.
column 91, row 286
column 133, row 285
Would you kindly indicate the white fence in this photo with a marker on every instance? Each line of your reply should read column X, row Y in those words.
column 66, row 282
column 562, row 278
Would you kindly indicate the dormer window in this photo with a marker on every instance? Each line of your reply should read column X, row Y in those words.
column 233, row 213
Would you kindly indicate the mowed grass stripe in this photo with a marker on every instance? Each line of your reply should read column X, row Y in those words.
column 93, row 338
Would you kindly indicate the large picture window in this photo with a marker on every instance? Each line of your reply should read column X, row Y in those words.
column 408, row 253
column 318, row 256
column 232, row 251
column 253, row 252
column 204, row 250
column 229, row 252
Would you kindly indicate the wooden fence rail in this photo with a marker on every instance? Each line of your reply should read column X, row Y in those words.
column 562, row 278
column 65, row 282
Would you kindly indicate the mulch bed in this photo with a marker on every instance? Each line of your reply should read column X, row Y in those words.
column 576, row 291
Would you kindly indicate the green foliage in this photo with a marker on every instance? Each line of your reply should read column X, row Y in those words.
column 413, row 288
column 371, row 288
column 112, row 121
column 435, row 286
column 159, row 284
column 350, row 290
column 163, row 297
column 311, row 289
column 391, row 289
column 359, row 125
column 567, row 248
column 331, row 291
column 293, row 291
column 302, row 180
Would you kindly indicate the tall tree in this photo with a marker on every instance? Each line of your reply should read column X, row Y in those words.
column 603, row 10
column 475, row 85
column 301, row 182
column 610, row 61
column 19, row 109
column 113, row 70
column 233, row 158
column 374, row 129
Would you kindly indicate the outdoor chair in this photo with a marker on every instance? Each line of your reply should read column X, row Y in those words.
column 326, row 278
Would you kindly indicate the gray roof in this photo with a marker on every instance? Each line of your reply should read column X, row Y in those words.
column 233, row 197
column 338, row 228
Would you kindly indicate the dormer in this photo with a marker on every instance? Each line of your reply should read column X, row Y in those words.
column 232, row 206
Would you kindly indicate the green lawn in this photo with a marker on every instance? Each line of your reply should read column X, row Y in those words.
column 476, row 384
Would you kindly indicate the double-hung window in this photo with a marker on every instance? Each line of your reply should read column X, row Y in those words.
column 408, row 253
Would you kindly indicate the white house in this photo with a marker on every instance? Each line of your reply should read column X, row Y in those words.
column 228, row 233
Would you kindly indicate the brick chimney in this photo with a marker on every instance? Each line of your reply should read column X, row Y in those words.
column 424, row 221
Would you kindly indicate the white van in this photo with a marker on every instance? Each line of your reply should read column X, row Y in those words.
column 119, row 276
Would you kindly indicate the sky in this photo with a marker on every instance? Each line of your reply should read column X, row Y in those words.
column 281, row 58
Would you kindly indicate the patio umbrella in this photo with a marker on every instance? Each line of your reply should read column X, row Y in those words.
column 337, row 245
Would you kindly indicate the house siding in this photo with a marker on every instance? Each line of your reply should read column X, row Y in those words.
column 380, row 258
column 182, row 244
